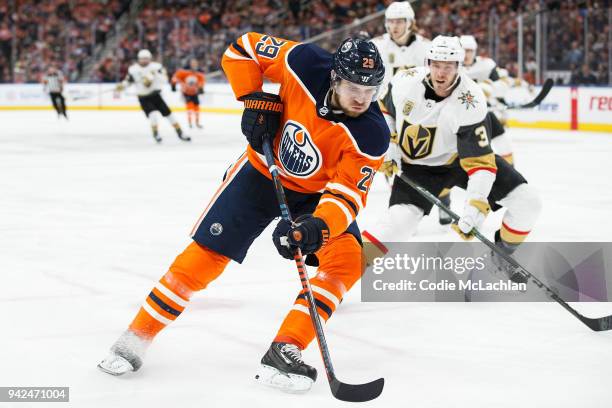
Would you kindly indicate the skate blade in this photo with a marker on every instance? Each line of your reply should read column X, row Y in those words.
column 116, row 367
column 290, row 383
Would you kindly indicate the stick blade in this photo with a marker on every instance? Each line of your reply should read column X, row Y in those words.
column 357, row 392
column 546, row 87
column 599, row 324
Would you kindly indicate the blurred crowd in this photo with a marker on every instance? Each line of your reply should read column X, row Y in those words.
column 176, row 30
column 35, row 34
column 66, row 32
column 495, row 26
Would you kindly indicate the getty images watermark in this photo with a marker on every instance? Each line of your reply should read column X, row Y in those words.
column 459, row 272
column 417, row 265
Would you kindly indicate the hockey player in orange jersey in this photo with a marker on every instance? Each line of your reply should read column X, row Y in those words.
column 329, row 138
column 192, row 83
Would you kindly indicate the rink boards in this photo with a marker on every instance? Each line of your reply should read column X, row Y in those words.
column 565, row 108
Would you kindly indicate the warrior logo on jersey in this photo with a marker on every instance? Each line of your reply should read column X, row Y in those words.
column 467, row 99
column 298, row 154
column 417, row 141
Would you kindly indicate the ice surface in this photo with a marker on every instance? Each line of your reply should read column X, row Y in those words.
column 92, row 212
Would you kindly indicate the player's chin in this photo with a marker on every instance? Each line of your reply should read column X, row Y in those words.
column 355, row 111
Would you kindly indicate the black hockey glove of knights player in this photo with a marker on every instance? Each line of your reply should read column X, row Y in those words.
column 309, row 234
column 261, row 117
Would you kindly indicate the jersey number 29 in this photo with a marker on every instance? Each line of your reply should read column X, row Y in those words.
column 268, row 46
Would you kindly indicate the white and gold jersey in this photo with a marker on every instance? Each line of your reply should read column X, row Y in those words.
column 435, row 131
column 493, row 80
column 483, row 69
column 401, row 56
column 148, row 79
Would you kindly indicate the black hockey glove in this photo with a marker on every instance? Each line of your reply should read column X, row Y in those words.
column 200, row 91
column 309, row 234
column 261, row 117
column 173, row 87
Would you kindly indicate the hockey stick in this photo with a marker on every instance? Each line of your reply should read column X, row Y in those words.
column 548, row 84
column 596, row 324
column 340, row 390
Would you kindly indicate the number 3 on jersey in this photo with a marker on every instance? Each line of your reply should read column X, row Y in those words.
column 268, row 46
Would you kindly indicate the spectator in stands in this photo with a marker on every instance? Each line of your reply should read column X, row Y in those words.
column 583, row 77
column 73, row 31
column 603, row 74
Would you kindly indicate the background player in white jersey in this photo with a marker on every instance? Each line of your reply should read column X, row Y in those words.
column 439, row 115
column 401, row 46
column 495, row 83
column 148, row 78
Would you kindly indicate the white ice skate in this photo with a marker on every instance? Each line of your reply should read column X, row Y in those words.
column 125, row 355
column 114, row 364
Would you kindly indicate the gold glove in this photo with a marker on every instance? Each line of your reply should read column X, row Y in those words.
column 389, row 168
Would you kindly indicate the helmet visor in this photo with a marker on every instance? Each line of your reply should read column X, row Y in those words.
column 357, row 91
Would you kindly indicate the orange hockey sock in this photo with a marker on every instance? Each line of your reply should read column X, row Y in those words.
column 340, row 266
column 191, row 271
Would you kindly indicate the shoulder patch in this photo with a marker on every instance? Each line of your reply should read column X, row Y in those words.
column 471, row 102
column 369, row 132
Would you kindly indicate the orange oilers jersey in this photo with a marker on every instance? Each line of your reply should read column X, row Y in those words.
column 317, row 150
column 190, row 81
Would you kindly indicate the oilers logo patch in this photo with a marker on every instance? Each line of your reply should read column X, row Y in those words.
column 298, row 155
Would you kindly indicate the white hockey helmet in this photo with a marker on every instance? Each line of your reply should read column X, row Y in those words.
column 145, row 54
column 468, row 42
column 444, row 48
column 399, row 9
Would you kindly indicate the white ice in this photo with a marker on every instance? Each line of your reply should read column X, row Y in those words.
column 92, row 212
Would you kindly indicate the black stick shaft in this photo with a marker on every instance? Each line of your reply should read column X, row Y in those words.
column 594, row 324
column 299, row 261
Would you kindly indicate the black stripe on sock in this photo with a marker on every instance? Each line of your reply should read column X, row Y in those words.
column 163, row 305
column 320, row 304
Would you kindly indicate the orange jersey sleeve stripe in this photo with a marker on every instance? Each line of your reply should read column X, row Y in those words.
column 336, row 215
column 347, row 192
column 342, row 199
